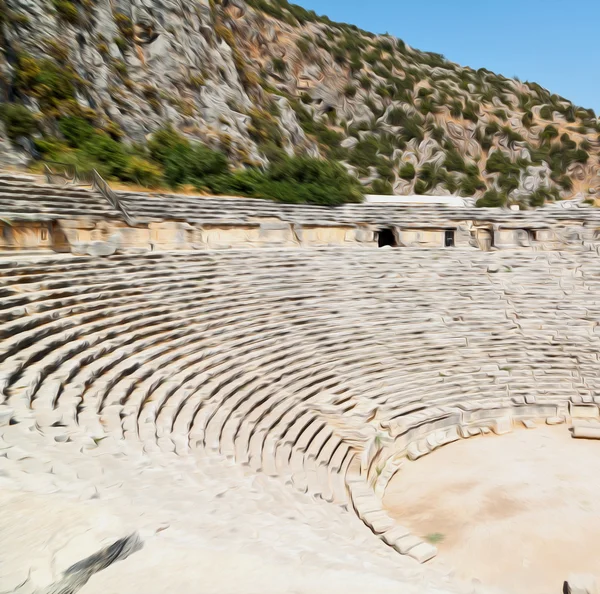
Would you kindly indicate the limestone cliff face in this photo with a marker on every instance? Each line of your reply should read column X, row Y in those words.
column 258, row 77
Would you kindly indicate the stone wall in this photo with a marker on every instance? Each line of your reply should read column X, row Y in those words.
column 25, row 235
column 174, row 235
column 72, row 235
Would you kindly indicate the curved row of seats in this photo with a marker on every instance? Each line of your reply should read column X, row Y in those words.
column 145, row 208
column 21, row 198
column 316, row 366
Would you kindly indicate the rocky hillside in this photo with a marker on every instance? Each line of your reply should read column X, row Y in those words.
column 258, row 78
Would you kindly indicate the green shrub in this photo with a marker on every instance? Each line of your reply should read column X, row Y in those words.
column 94, row 149
column 401, row 88
column 383, row 91
column 50, row 147
column 540, row 197
column 527, row 119
column 303, row 44
column 309, row 181
column 381, row 70
column 451, row 183
column 372, row 57
column 548, row 133
column 76, row 131
column 492, row 128
column 53, row 150
column 192, row 163
column 569, row 113
column 66, row 10
column 428, row 105
column 432, row 175
column 18, row 120
column 264, row 128
column 330, row 138
column 307, row 121
column 470, row 184
column 456, row 108
column 580, row 156
column 508, row 182
column 454, row 161
column 412, row 129
column 144, row 172
column 511, row 135
column 163, row 142
column 13, row 17
column 272, row 152
column 470, row 112
column 110, row 153
column 566, row 183
column 279, row 65
column 356, row 64
column 365, row 154
column 306, row 98
column 546, row 112
column 124, row 24
column 411, row 125
column 238, row 183
column 48, row 82
column 365, row 82
column 498, row 162
column 438, row 133
column 350, row 90
column 567, row 143
column 420, row 187
column 407, row 171
column 58, row 50
column 382, row 187
column 492, row 198
column 121, row 43
column 385, row 170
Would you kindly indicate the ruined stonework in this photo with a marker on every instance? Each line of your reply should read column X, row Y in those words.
column 69, row 219
column 234, row 383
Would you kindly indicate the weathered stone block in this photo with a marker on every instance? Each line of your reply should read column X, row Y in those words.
column 423, row 552
column 584, row 412
column 586, row 430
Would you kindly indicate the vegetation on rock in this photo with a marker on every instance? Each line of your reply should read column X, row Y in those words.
column 280, row 86
column 172, row 160
column 18, row 120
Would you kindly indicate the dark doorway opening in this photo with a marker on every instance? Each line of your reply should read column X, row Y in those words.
column 449, row 238
column 386, row 237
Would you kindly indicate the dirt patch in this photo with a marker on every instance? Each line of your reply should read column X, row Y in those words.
column 518, row 512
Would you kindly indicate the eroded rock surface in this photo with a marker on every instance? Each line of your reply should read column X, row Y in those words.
column 249, row 81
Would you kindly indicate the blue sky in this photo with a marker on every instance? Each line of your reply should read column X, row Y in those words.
column 555, row 43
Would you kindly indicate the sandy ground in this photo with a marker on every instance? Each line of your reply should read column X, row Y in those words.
column 518, row 513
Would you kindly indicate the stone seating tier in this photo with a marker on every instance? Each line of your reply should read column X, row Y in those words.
column 320, row 368
column 22, row 199
column 25, row 200
column 223, row 210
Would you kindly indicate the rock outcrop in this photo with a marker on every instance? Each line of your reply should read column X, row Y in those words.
column 254, row 77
